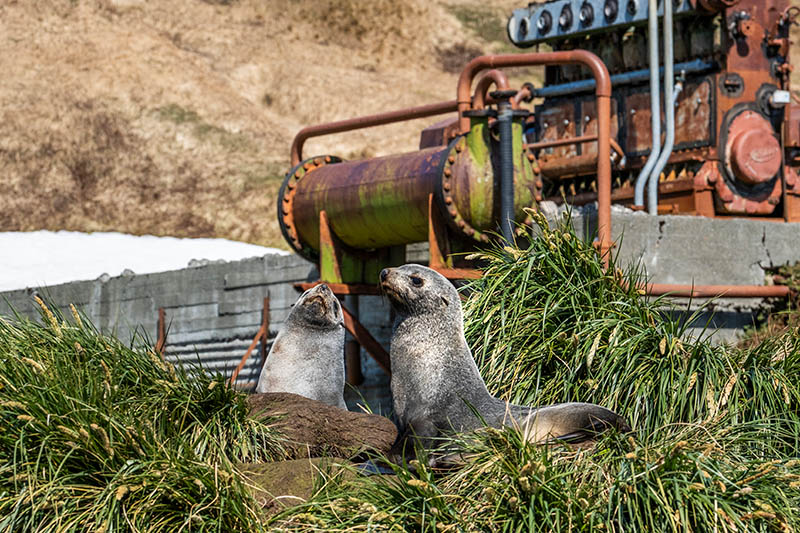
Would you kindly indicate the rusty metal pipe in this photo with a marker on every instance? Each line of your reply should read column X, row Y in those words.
column 603, row 95
column 366, row 122
column 493, row 77
column 560, row 142
column 590, row 60
column 525, row 94
column 717, row 291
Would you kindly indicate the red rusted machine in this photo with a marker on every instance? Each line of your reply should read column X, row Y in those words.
column 732, row 140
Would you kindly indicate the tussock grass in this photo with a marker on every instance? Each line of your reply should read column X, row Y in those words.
column 717, row 429
column 100, row 436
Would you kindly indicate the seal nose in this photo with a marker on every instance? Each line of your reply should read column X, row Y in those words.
column 384, row 274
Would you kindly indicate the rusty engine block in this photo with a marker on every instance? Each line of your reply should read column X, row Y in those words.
column 735, row 134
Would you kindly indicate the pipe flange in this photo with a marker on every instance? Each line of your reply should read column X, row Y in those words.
column 446, row 200
column 286, row 203
column 445, row 192
column 750, row 159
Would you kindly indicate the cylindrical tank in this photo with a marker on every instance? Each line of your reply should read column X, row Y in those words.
column 383, row 201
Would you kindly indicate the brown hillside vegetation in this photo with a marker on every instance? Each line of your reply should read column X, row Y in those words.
column 174, row 117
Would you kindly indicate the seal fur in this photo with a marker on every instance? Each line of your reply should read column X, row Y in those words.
column 435, row 382
column 307, row 357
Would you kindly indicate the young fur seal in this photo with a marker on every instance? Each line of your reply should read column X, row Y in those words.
column 435, row 381
column 307, row 357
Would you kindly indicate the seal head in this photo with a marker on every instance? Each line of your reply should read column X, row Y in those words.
column 435, row 382
column 307, row 357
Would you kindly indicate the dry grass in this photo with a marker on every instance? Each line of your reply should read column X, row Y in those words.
column 175, row 118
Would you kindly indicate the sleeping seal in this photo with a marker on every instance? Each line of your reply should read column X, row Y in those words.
column 307, row 357
column 435, row 381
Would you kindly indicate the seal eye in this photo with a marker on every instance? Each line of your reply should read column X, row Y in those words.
column 417, row 281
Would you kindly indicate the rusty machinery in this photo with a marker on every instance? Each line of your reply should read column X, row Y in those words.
column 732, row 133
column 730, row 144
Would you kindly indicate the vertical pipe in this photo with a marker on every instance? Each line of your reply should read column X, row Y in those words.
column 504, row 124
column 604, row 176
column 655, row 107
column 669, row 111
column 352, row 350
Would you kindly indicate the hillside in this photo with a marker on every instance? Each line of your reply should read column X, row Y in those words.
column 175, row 117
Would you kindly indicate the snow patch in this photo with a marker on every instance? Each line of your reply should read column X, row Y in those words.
column 40, row 258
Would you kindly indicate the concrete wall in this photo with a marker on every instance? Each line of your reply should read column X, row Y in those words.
column 213, row 311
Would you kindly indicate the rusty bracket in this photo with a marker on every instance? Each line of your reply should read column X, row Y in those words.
column 162, row 333
column 367, row 341
column 262, row 335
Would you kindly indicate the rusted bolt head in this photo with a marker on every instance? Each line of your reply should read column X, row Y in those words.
column 538, row 197
column 539, row 183
column 470, row 231
column 531, row 157
column 448, row 172
column 317, row 160
column 290, row 185
column 462, row 224
column 446, row 186
column 451, row 159
column 298, row 174
column 448, row 200
column 459, row 147
column 307, row 166
column 452, row 211
column 773, row 200
column 327, row 159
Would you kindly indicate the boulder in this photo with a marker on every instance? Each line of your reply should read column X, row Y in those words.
column 283, row 484
column 315, row 429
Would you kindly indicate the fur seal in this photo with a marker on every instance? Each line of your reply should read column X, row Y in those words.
column 307, row 357
column 436, row 384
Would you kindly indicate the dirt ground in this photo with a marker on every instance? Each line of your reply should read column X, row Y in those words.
column 175, row 117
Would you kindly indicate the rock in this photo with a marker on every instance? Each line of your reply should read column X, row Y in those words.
column 283, row 484
column 314, row 429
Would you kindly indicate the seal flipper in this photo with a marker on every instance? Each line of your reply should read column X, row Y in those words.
column 571, row 422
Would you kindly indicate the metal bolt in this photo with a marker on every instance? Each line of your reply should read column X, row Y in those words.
column 452, row 211
column 538, row 197
column 773, row 200
column 461, row 224
column 586, row 118
column 307, row 166
column 451, row 159
column 317, row 161
column 531, row 157
column 327, row 159
column 458, row 147
column 470, row 231
column 448, row 200
column 698, row 100
column 448, row 172
column 446, row 186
